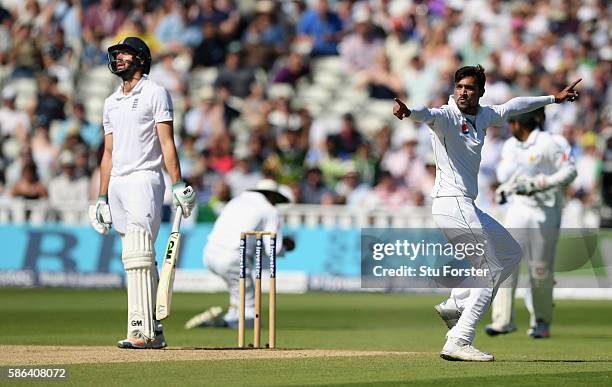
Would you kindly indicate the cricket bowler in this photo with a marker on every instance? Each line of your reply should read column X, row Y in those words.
column 138, row 136
column 458, row 132
column 253, row 210
column 535, row 168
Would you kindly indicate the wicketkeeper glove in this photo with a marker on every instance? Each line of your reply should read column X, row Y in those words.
column 100, row 215
column 529, row 185
column 184, row 196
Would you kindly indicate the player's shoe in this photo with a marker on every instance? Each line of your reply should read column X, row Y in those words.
column 209, row 318
column 540, row 331
column 458, row 350
column 449, row 314
column 139, row 342
column 494, row 330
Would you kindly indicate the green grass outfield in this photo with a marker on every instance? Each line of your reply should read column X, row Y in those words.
column 579, row 353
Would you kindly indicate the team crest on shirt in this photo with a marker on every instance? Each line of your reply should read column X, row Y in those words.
column 464, row 128
column 135, row 104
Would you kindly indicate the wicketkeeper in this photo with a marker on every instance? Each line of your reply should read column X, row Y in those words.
column 138, row 135
column 535, row 168
column 252, row 210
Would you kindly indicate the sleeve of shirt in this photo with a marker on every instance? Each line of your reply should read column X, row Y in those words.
column 425, row 115
column 108, row 129
column 560, row 155
column 435, row 118
column 518, row 105
column 162, row 106
column 507, row 164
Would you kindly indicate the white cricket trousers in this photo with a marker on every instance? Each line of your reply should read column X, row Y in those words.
column 459, row 218
column 537, row 231
column 136, row 200
column 226, row 264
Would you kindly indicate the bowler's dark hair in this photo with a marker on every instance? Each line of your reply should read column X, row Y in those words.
column 477, row 72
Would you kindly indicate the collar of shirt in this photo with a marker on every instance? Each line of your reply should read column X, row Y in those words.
column 135, row 90
column 531, row 139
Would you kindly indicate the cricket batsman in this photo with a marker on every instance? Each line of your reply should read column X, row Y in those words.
column 535, row 167
column 252, row 210
column 138, row 136
column 458, row 132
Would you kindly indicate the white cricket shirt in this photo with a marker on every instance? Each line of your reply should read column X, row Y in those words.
column 457, row 140
column 541, row 153
column 131, row 119
column 249, row 211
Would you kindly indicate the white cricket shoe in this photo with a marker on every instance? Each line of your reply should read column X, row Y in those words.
column 457, row 350
column 449, row 314
column 494, row 330
column 210, row 318
column 138, row 341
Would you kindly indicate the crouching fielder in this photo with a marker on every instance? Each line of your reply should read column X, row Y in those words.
column 252, row 210
column 458, row 131
column 534, row 168
column 138, row 134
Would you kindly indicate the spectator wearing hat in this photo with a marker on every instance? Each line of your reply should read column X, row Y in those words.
column 167, row 75
column 67, row 191
column 13, row 123
column 350, row 190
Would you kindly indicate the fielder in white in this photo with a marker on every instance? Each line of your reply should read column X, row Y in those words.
column 138, row 135
column 458, row 131
column 534, row 169
column 252, row 210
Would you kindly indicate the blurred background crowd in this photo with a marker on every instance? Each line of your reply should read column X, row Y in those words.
column 300, row 91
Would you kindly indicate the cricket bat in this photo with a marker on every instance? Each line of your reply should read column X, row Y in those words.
column 166, row 278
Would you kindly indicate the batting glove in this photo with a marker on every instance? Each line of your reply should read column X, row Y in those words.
column 528, row 185
column 184, row 196
column 100, row 215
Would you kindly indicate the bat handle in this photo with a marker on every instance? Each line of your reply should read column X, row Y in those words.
column 177, row 219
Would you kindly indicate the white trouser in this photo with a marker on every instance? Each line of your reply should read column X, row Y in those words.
column 455, row 215
column 537, row 231
column 136, row 200
column 226, row 264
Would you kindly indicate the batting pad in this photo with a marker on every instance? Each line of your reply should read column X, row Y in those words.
column 141, row 276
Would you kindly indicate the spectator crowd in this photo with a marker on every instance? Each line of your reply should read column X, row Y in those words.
column 299, row 91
